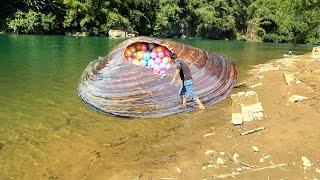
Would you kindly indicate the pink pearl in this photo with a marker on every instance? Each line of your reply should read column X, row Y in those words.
column 161, row 54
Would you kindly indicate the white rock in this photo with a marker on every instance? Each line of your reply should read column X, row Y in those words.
column 208, row 152
column 220, row 161
column 251, row 93
column 297, row 98
column 235, row 158
column 239, row 169
column 288, row 77
column 222, row 153
column 241, row 93
column 209, row 134
column 306, row 162
column 256, row 85
column 178, row 170
column 255, row 149
column 318, row 170
column 264, row 158
column 236, row 118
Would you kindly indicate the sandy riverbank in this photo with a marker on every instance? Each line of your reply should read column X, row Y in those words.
column 205, row 144
column 290, row 139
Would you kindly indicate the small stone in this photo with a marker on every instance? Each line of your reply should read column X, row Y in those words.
column 236, row 118
column 222, row 153
column 318, row 170
column 220, row 161
column 297, row 98
column 255, row 149
column 178, row 170
column 256, row 85
column 209, row 134
column 306, row 162
column 271, row 162
column 235, row 158
column 288, row 78
column 210, row 166
column 208, row 152
column 239, row 169
column 264, row 158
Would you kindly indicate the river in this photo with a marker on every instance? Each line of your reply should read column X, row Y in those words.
column 47, row 132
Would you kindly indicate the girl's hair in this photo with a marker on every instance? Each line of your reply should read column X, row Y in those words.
column 173, row 56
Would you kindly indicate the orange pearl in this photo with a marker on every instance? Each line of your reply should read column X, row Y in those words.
column 127, row 53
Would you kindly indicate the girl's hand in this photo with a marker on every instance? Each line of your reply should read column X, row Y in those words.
column 172, row 82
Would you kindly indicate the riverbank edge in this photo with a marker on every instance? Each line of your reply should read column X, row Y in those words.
column 84, row 34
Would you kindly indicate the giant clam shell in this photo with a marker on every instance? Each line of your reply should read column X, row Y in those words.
column 113, row 86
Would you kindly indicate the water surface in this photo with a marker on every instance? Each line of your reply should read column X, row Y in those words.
column 47, row 132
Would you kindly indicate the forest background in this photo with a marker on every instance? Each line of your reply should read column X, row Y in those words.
column 295, row 21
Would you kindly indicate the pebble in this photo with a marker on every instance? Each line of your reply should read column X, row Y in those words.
column 235, row 158
column 264, row 158
column 255, row 149
column 209, row 134
column 239, row 169
column 178, row 170
column 222, row 153
column 306, row 162
column 220, row 161
column 297, row 98
column 208, row 152
column 208, row 166
column 318, row 170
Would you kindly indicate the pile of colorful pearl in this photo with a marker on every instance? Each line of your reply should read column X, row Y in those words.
column 149, row 55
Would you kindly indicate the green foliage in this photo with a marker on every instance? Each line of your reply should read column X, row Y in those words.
column 273, row 37
column 294, row 21
column 32, row 22
column 313, row 40
column 167, row 18
column 48, row 22
column 241, row 37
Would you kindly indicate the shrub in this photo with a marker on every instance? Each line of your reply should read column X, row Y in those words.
column 32, row 22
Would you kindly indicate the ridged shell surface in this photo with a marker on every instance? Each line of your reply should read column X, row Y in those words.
column 111, row 85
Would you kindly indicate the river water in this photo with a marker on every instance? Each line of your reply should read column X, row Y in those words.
column 47, row 132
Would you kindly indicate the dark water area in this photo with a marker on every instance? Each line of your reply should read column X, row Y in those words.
column 42, row 120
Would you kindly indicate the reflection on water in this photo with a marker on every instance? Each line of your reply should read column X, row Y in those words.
column 46, row 131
